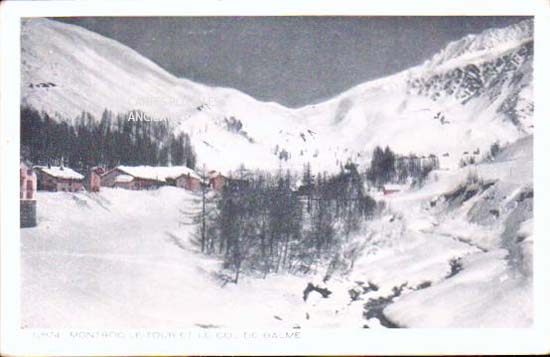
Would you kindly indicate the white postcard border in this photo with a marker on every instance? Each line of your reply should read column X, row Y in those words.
column 15, row 341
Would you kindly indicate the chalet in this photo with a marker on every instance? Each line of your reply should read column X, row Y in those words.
column 92, row 180
column 126, row 181
column 58, row 179
column 151, row 177
column 216, row 180
column 132, row 178
column 189, row 180
column 27, row 201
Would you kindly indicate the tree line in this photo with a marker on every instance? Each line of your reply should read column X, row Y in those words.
column 112, row 140
column 263, row 223
column 387, row 167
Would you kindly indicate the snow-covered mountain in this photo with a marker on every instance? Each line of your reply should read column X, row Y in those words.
column 67, row 69
column 476, row 91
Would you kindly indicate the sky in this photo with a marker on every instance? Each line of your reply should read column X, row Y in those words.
column 294, row 61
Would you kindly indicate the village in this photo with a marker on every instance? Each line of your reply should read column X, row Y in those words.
column 65, row 179
column 61, row 178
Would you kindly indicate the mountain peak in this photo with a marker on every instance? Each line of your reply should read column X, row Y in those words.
column 494, row 39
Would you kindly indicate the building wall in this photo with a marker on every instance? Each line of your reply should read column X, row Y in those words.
column 109, row 179
column 92, row 182
column 144, row 184
column 67, row 185
column 216, row 183
column 189, row 183
column 50, row 183
column 96, row 181
column 27, row 213
column 27, row 183
column 126, row 185
column 45, row 182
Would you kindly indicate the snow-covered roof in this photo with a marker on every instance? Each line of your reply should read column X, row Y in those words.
column 124, row 178
column 158, row 173
column 60, row 172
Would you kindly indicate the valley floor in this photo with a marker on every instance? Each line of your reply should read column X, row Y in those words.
column 126, row 259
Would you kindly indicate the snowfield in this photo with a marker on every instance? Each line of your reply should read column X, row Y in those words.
column 128, row 259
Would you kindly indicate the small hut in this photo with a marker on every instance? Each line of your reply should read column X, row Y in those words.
column 216, row 180
column 151, row 177
column 189, row 180
column 58, row 179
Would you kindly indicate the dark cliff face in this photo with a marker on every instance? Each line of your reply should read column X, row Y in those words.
column 501, row 80
column 472, row 80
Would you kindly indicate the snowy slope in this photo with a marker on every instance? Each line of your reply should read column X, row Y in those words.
column 67, row 69
column 476, row 91
column 130, row 259
column 133, row 264
column 492, row 215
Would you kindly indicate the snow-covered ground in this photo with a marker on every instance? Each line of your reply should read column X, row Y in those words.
column 494, row 285
column 435, row 258
column 126, row 259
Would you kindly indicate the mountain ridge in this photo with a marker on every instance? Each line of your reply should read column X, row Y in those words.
column 67, row 69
